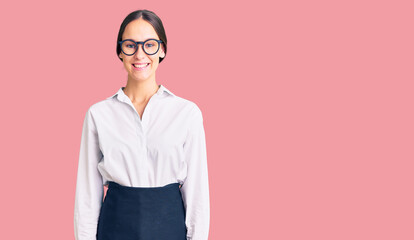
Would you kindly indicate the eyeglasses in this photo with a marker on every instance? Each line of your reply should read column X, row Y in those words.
column 150, row 46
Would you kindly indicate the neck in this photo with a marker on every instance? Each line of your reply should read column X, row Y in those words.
column 140, row 91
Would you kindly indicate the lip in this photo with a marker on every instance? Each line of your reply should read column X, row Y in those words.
column 139, row 69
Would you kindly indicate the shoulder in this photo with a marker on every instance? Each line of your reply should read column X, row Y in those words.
column 100, row 106
column 190, row 107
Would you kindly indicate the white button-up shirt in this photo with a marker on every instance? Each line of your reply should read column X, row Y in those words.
column 166, row 146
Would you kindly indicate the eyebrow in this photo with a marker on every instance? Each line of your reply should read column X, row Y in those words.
column 140, row 41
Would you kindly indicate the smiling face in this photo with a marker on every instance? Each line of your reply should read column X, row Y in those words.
column 140, row 30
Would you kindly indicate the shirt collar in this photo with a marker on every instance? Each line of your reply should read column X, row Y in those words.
column 122, row 96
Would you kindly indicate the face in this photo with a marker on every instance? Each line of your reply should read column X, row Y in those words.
column 141, row 30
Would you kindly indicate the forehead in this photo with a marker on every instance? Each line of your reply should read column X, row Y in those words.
column 139, row 30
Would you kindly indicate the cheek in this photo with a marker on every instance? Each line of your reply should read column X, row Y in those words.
column 127, row 64
column 155, row 60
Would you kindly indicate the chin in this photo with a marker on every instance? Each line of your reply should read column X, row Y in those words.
column 140, row 77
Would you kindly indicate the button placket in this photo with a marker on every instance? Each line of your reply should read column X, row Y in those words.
column 142, row 123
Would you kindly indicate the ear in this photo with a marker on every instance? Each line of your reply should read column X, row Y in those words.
column 162, row 53
column 120, row 56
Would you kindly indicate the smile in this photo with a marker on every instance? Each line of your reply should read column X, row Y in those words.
column 140, row 66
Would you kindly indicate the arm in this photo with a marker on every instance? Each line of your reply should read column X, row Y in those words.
column 195, row 189
column 89, row 186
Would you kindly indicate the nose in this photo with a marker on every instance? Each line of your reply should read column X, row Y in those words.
column 140, row 51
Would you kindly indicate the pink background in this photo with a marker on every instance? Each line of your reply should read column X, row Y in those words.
column 307, row 105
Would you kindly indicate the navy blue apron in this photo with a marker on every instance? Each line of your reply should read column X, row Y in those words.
column 142, row 213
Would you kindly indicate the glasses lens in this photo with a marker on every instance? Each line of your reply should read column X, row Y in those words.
column 129, row 47
column 151, row 47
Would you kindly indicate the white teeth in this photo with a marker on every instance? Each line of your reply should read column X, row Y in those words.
column 140, row 66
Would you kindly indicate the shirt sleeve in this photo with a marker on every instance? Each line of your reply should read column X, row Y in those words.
column 195, row 189
column 89, row 186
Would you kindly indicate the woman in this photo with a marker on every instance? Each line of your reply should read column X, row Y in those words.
column 148, row 146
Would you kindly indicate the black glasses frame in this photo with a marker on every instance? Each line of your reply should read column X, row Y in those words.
column 136, row 45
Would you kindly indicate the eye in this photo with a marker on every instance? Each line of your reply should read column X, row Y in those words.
column 130, row 46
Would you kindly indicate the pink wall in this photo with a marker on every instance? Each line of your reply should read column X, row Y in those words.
column 308, row 111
